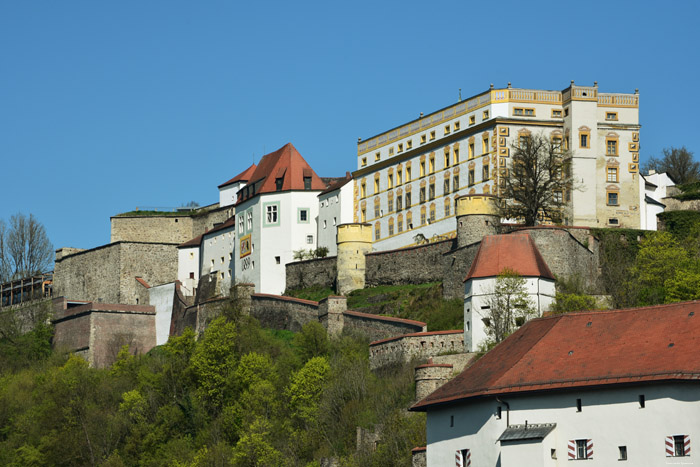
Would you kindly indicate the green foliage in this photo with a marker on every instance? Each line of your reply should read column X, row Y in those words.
column 315, row 293
column 214, row 361
column 573, row 302
column 312, row 341
column 510, row 305
column 659, row 257
column 618, row 250
column 680, row 223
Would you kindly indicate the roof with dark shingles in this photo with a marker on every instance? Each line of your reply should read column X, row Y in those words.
column 285, row 163
column 338, row 183
column 514, row 251
column 584, row 349
column 241, row 177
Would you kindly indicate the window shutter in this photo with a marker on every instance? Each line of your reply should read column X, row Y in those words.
column 686, row 444
column 463, row 458
column 589, row 449
column 458, row 459
column 468, row 457
column 669, row 446
column 572, row 449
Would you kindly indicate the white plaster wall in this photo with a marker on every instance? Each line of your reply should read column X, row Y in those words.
column 247, row 269
column 217, row 256
column 609, row 417
column 335, row 208
column 228, row 194
column 188, row 262
column 161, row 297
column 477, row 294
column 529, row 453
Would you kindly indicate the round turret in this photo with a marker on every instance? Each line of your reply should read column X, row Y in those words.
column 354, row 241
column 477, row 216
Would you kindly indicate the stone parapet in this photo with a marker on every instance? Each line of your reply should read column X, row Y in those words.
column 421, row 345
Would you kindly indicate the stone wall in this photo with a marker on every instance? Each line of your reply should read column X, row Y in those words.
column 431, row 376
column 420, row 345
column 279, row 312
column 98, row 330
column 418, row 457
column 455, row 266
column 107, row 274
column 314, row 272
column 673, row 204
column 379, row 327
column 414, row 265
column 20, row 319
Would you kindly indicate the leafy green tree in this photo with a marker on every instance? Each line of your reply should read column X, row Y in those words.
column 509, row 305
column 214, row 361
column 573, row 302
column 659, row 257
column 678, row 163
column 255, row 448
column 312, row 341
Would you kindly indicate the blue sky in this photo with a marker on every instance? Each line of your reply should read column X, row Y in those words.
column 106, row 106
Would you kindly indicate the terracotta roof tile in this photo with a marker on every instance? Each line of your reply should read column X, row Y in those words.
column 285, row 163
column 658, row 343
column 241, row 177
column 514, row 251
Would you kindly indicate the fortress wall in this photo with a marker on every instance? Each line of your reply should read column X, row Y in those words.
column 378, row 327
column 90, row 275
column 414, row 265
column 456, row 264
column 112, row 329
column 155, row 229
column 155, row 263
column 420, row 345
column 208, row 220
column 314, row 272
column 278, row 312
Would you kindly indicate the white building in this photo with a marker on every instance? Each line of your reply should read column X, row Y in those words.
column 408, row 178
column 216, row 254
column 516, row 252
column 603, row 386
column 228, row 191
column 653, row 189
column 276, row 214
column 334, row 208
column 188, row 268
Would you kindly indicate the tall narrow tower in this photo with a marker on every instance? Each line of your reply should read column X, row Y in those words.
column 477, row 216
column 354, row 241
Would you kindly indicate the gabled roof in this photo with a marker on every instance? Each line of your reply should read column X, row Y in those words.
column 241, row 177
column 586, row 349
column 191, row 243
column 337, row 183
column 285, row 163
column 514, row 251
column 231, row 221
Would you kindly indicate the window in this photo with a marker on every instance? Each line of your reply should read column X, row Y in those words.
column 391, row 227
column 363, row 189
column 566, row 112
column 423, row 138
column 556, row 143
column 485, row 115
column 471, row 150
column 611, row 147
column 309, row 239
column 240, row 223
column 431, row 191
column 400, row 147
column 334, row 220
column 472, row 119
column 399, row 176
column 447, row 207
column 249, row 220
column 279, row 181
column 222, row 260
column 463, row 456
column 303, row 215
column 409, row 220
column 399, row 201
column 377, row 231
column 422, row 168
column 580, row 449
column 363, row 215
column 523, row 112
column 485, row 172
column 455, row 183
column 455, row 157
column 408, row 174
column 423, row 218
column 432, row 164
column 447, row 157
column 432, row 213
column 558, row 198
column 556, row 113
column 376, row 209
column 376, row 185
column 432, row 135
column 191, row 255
column 408, row 200
column 377, row 156
column 677, row 446
column 611, row 116
column 307, row 183
column 456, row 126
column 583, row 139
column 446, row 186
column 277, row 260
column 325, row 224
column 399, row 225
column 578, row 405
column 642, row 401
column 612, row 174
column 499, row 412
column 613, row 221
column 390, row 181
column 391, row 150
column 390, row 204
column 271, row 214
column 613, row 198
column 421, row 195
column 471, row 177
column 623, row 453
column 447, row 130
column 485, row 145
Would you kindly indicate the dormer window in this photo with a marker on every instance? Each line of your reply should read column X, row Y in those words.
column 278, row 183
column 307, row 183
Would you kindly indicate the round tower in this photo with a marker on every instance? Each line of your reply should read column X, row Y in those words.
column 354, row 241
column 477, row 216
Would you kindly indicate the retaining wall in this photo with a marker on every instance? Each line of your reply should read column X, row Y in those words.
column 314, row 272
column 279, row 312
column 414, row 265
column 420, row 345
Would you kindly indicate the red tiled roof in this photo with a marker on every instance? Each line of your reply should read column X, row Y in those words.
column 241, row 177
column 337, row 183
column 231, row 221
column 658, row 343
column 515, row 251
column 285, row 163
column 196, row 241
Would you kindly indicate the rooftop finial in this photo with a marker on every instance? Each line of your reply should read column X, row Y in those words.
column 421, row 115
column 491, row 85
column 572, row 82
column 460, row 94
column 595, row 84
column 636, row 90
column 508, row 84
column 359, row 140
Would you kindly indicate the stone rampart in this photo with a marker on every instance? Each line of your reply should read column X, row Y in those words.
column 413, row 265
column 279, row 312
column 379, row 327
column 420, row 345
column 98, row 331
column 108, row 273
column 314, row 272
column 673, row 204
column 455, row 266
column 419, row 457
column 431, row 376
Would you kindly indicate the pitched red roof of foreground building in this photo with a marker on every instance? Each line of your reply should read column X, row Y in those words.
column 515, row 251
column 241, row 177
column 285, row 165
column 586, row 349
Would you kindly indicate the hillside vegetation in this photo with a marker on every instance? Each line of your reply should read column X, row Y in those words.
column 240, row 395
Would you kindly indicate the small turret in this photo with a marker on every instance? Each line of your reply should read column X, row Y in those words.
column 354, row 241
column 477, row 216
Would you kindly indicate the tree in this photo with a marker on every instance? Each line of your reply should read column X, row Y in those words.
column 678, row 163
column 509, row 306
column 25, row 249
column 538, row 179
column 659, row 257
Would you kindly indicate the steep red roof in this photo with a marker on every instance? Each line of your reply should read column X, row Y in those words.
column 287, row 164
column 241, row 177
column 658, row 343
column 515, row 251
column 337, row 183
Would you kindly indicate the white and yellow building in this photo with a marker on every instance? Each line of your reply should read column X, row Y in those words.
column 408, row 178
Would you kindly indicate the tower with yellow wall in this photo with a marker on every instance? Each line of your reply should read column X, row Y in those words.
column 354, row 241
column 477, row 216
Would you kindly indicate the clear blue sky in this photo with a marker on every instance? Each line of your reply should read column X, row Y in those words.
column 106, row 106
